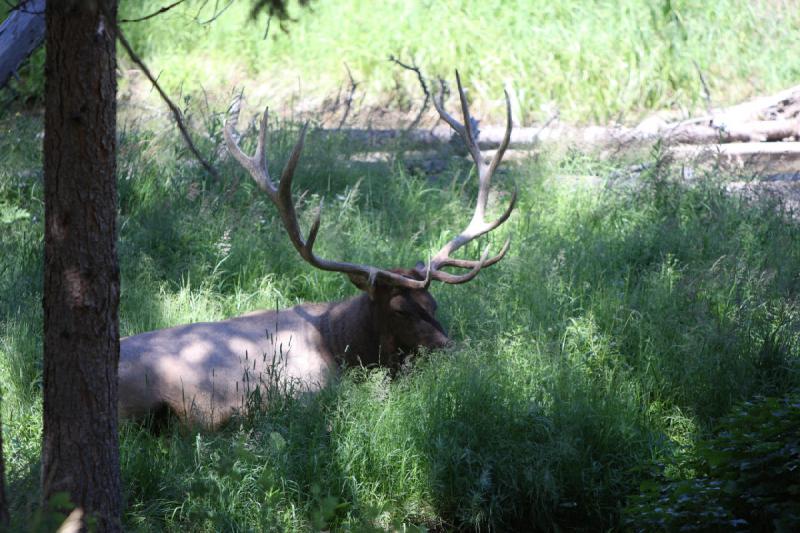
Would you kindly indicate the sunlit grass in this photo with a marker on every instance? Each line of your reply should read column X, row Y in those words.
column 584, row 61
column 590, row 61
column 622, row 323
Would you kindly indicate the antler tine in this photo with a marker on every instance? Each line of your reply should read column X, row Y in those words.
column 469, row 136
column 455, row 279
column 285, row 203
column 464, row 130
column 471, row 263
column 281, row 196
column 501, row 150
column 257, row 165
column 447, row 117
column 262, row 141
column 477, row 226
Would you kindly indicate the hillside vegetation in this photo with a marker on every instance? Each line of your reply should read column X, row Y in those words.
column 587, row 61
column 622, row 324
column 629, row 318
column 590, row 61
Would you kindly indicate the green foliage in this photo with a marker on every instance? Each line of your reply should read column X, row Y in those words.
column 625, row 320
column 590, row 61
column 746, row 476
column 276, row 8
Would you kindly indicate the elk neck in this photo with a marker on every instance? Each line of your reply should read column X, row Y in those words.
column 353, row 335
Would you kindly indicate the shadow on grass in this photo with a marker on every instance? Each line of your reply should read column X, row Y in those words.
column 621, row 324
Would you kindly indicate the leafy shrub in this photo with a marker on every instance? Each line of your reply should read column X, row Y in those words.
column 745, row 477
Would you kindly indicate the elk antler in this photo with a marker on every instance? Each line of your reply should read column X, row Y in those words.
column 477, row 226
column 281, row 196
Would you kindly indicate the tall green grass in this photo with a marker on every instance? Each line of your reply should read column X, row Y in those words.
column 586, row 61
column 623, row 322
column 590, row 61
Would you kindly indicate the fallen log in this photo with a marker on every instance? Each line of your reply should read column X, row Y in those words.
column 370, row 140
column 20, row 34
column 598, row 137
column 785, row 103
column 489, row 137
column 758, row 157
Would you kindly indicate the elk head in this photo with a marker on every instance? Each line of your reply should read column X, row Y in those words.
column 401, row 309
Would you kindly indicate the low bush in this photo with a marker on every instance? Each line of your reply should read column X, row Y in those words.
column 744, row 477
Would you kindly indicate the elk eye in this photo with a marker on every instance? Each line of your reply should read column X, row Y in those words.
column 402, row 313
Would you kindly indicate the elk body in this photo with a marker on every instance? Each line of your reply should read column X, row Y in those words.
column 205, row 372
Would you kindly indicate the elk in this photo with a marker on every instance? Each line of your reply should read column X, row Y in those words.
column 204, row 372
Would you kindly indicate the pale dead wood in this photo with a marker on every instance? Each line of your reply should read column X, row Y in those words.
column 752, row 131
column 600, row 137
column 762, row 157
column 764, row 121
column 20, row 34
column 760, row 108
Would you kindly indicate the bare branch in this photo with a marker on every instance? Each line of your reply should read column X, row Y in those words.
column 706, row 91
column 266, row 30
column 353, row 86
column 176, row 113
column 163, row 9
column 414, row 68
column 217, row 12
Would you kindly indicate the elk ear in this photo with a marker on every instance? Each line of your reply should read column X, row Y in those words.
column 420, row 268
column 363, row 283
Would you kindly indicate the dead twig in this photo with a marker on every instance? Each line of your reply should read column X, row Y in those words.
column 706, row 91
column 163, row 9
column 349, row 102
column 266, row 30
column 414, row 68
column 217, row 12
column 176, row 113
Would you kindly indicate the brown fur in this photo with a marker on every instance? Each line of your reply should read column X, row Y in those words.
column 204, row 372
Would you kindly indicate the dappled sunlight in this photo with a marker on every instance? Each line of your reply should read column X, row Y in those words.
column 195, row 351
column 622, row 324
column 632, row 363
column 611, row 334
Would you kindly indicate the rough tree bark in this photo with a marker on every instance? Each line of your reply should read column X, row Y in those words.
column 80, row 452
column 4, row 517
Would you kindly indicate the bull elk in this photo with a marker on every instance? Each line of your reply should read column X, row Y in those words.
column 203, row 372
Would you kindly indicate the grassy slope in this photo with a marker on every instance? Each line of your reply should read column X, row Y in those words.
column 619, row 326
column 592, row 61
column 588, row 61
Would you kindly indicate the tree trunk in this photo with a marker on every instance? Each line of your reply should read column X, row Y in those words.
column 4, row 517
column 80, row 452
